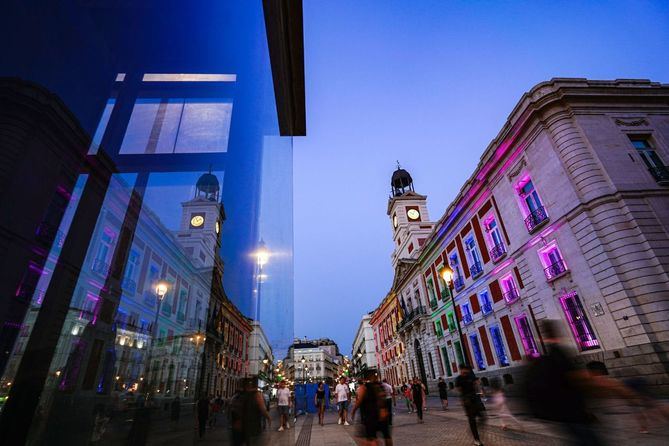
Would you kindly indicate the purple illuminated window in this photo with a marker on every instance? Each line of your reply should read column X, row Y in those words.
column 578, row 322
column 526, row 337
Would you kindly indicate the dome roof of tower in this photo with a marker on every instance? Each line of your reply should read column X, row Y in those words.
column 400, row 179
column 208, row 183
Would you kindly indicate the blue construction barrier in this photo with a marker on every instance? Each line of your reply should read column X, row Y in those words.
column 304, row 397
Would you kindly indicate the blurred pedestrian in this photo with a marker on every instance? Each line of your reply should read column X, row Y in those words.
column 202, row 415
column 175, row 412
column 246, row 412
column 319, row 402
column 443, row 393
column 343, row 398
column 497, row 403
column 555, row 390
column 417, row 393
column 371, row 400
column 468, row 385
column 389, row 399
column 283, row 403
column 406, row 391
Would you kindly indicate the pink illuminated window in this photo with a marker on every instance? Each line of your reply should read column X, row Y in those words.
column 509, row 288
column 578, row 322
column 551, row 258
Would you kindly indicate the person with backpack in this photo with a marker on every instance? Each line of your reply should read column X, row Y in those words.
column 246, row 411
column 371, row 400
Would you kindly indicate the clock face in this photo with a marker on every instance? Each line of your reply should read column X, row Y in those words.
column 218, row 227
column 413, row 214
column 395, row 223
column 196, row 221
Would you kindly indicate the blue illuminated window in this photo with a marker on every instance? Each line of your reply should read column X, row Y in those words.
column 499, row 345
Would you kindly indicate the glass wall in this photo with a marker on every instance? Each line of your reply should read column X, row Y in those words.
column 143, row 166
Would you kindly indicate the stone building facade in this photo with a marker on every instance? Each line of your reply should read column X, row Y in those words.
column 363, row 351
column 566, row 217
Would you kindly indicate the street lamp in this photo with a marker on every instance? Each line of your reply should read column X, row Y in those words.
column 304, row 378
column 262, row 257
column 161, row 291
column 446, row 274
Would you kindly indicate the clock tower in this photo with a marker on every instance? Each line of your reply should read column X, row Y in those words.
column 201, row 220
column 409, row 218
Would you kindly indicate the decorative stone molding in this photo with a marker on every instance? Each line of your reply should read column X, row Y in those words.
column 515, row 170
column 633, row 123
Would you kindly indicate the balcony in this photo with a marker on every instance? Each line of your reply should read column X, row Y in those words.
column 661, row 174
column 410, row 316
column 458, row 283
column 536, row 219
column 467, row 318
column 497, row 252
column 511, row 295
column 476, row 269
column 100, row 267
column 440, row 334
column 486, row 307
column 433, row 304
column 555, row 270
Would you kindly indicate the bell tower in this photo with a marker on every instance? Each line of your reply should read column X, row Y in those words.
column 409, row 218
column 201, row 221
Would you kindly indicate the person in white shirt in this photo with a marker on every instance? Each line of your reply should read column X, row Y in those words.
column 283, row 399
column 343, row 397
column 389, row 400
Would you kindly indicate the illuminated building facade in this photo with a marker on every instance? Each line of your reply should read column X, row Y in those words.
column 565, row 218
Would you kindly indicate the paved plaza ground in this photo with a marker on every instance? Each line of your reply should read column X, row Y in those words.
column 616, row 425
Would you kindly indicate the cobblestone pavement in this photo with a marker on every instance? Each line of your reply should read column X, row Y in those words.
column 617, row 427
column 450, row 428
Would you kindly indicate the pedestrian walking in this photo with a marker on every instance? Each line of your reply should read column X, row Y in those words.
column 468, row 385
column 343, row 398
column 371, row 400
column 319, row 402
column 443, row 393
column 497, row 403
column 417, row 397
column 175, row 412
column 215, row 409
column 389, row 399
column 246, row 412
column 406, row 391
column 202, row 415
column 283, row 403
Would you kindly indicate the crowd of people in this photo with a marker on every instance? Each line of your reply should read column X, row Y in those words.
column 554, row 389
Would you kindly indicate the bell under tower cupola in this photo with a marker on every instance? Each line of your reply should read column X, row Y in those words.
column 207, row 187
column 409, row 217
column 401, row 182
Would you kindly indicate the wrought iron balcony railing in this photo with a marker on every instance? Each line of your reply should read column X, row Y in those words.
column 476, row 269
column 467, row 318
column 129, row 286
column 411, row 315
column 536, row 219
column 555, row 270
column 486, row 307
column 459, row 283
column 497, row 252
column 511, row 295
column 440, row 334
column 433, row 304
column 661, row 174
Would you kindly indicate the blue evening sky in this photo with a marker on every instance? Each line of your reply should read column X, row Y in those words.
column 428, row 83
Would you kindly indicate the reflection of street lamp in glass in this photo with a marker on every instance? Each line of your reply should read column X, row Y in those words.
column 446, row 273
column 161, row 291
column 262, row 257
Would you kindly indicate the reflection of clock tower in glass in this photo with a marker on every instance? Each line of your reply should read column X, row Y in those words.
column 201, row 219
column 408, row 216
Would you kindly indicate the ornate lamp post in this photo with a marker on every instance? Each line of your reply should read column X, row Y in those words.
column 161, row 291
column 446, row 274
